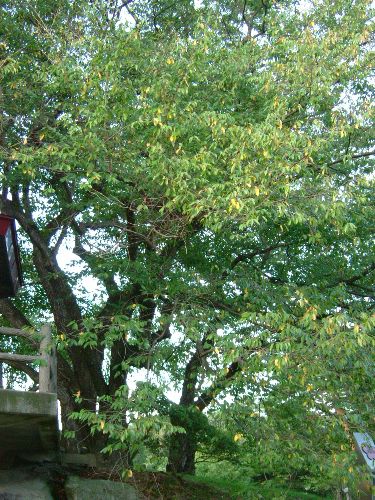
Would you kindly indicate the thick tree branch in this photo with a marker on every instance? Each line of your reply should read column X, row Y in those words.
column 250, row 255
column 24, row 367
column 207, row 396
column 353, row 157
column 15, row 317
column 89, row 259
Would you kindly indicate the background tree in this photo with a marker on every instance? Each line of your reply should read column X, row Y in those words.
column 210, row 167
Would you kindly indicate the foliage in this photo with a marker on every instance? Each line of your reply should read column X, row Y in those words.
column 211, row 441
column 288, row 444
column 210, row 167
column 146, row 428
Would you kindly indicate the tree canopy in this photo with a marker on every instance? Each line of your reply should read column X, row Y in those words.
column 210, row 166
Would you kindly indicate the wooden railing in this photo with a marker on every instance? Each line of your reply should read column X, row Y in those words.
column 47, row 355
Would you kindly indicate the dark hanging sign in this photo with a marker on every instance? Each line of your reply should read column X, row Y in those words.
column 10, row 263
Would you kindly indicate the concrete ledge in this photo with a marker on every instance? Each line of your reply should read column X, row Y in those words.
column 29, row 403
column 28, row 423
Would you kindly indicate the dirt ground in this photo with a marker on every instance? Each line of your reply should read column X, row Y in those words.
column 163, row 486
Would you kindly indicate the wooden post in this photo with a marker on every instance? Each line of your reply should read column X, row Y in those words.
column 48, row 370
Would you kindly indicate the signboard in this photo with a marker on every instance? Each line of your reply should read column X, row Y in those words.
column 10, row 264
column 365, row 447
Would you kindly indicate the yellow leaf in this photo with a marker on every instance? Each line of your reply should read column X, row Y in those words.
column 234, row 203
column 172, row 138
column 309, row 387
column 129, row 473
column 217, row 350
column 237, row 437
column 257, row 191
column 41, row 136
column 170, row 60
column 280, row 124
column 102, row 424
column 356, row 329
column 77, row 394
column 25, row 140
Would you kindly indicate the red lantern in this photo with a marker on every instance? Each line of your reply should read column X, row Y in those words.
column 10, row 263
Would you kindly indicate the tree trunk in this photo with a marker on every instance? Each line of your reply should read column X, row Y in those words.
column 66, row 408
column 182, row 447
column 181, row 457
column 83, row 441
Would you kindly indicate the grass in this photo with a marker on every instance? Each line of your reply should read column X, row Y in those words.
column 247, row 489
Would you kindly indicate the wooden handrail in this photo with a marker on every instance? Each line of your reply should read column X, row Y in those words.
column 25, row 358
column 47, row 354
column 15, row 332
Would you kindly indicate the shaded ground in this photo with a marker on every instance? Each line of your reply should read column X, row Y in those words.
column 248, row 489
column 163, row 486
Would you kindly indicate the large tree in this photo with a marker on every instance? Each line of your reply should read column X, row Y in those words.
column 210, row 167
